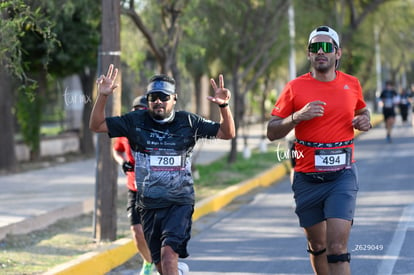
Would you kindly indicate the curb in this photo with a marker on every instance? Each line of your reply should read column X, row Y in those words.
column 41, row 221
column 224, row 197
column 101, row 262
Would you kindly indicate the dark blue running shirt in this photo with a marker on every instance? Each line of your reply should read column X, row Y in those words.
column 388, row 97
column 162, row 154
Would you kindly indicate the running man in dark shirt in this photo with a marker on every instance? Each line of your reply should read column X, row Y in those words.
column 388, row 96
column 162, row 140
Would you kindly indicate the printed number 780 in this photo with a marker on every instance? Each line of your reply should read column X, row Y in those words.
column 166, row 161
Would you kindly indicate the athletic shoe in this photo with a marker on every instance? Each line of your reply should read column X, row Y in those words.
column 389, row 138
column 183, row 268
column 146, row 269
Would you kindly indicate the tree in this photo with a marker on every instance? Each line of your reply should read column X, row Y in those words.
column 18, row 21
column 245, row 38
column 192, row 54
column 163, row 33
column 357, row 12
column 394, row 21
column 77, row 26
column 37, row 45
column 8, row 159
column 353, row 20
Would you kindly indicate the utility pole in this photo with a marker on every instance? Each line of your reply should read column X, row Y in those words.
column 378, row 67
column 105, row 217
column 292, row 57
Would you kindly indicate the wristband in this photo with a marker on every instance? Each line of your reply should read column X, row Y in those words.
column 224, row 105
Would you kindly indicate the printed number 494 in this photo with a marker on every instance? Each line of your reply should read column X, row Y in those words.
column 331, row 160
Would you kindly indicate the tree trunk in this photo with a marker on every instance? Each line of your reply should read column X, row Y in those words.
column 173, row 66
column 8, row 160
column 38, row 103
column 85, row 136
column 197, row 93
column 107, row 170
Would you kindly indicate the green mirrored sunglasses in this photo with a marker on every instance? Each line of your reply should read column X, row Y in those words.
column 327, row 47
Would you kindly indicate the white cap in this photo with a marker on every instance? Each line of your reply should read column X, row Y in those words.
column 325, row 30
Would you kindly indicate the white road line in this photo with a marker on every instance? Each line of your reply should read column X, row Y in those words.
column 391, row 256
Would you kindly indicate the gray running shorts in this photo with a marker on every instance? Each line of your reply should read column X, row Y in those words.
column 320, row 196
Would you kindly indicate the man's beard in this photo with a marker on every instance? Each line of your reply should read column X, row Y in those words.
column 159, row 115
column 162, row 117
column 324, row 67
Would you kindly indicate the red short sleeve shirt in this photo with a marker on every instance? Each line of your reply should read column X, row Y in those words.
column 121, row 144
column 343, row 96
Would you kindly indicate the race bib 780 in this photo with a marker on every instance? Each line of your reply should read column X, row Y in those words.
column 166, row 161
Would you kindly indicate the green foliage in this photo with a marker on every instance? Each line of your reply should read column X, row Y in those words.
column 50, row 131
column 394, row 21
column 35, row 45
column 29, row 115
column 19, row 21
column 216, row 37
column 23, row 26
column 132, row 43
column 77, row 27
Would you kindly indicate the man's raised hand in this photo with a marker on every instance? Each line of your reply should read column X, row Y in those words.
column 221, row 95
column 106, row 83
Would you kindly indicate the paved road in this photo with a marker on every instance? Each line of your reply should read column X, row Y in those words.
column 259, row 234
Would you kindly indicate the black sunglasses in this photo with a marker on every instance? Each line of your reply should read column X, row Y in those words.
column 327, row 47
column 152, row 97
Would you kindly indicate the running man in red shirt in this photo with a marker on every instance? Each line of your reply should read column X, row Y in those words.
column 324, row 106
column 123, row 155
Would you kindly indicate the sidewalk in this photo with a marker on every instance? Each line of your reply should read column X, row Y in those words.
column 33, row 200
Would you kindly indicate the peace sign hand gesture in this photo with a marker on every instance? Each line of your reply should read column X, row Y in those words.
column 106, row 84
column 221, row 95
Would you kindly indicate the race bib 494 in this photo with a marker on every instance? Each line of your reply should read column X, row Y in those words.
column 333, row 159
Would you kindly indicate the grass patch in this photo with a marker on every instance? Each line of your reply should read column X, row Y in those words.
column 51, row 131
column 220, row 174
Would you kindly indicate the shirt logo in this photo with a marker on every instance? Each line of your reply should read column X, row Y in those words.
column 160, row 135
column 346, row 87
